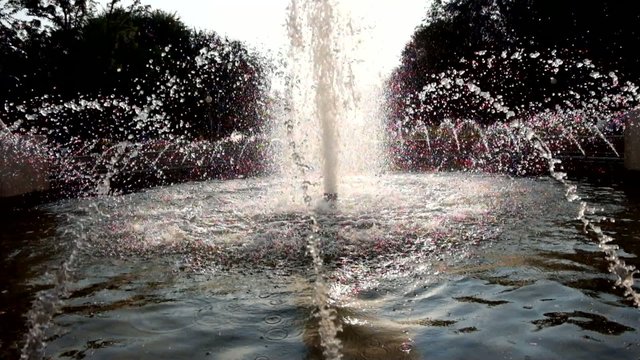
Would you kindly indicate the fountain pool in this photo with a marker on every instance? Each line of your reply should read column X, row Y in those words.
column 438, row 265
column 443, row 265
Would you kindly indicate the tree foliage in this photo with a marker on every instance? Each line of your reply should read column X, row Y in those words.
column 148, row 60
column 491, row 59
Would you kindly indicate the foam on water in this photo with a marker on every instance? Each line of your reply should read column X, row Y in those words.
column 218, row 224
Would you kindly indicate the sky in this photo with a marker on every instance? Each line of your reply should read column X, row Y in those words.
column 387, row 24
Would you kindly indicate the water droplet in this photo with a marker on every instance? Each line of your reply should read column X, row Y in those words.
column 406, row 347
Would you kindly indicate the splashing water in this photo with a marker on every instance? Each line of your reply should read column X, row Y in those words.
column 546, row 134
column 324, row 65
column 624, row 273
column 330, row 120
column 397, row 230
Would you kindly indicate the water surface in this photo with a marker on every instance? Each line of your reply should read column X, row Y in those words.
column 439, row 266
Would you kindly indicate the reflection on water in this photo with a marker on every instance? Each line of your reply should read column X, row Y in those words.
column 584, row 320
column 25, row 253
column 418, row 266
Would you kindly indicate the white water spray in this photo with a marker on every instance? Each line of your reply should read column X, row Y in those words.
column 324, row 65
column 330, row 120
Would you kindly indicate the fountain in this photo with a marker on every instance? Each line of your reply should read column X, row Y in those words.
column 490, row 249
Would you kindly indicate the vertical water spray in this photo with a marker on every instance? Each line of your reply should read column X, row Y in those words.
column 324, row 65
column 312, row 132
column 322, row 100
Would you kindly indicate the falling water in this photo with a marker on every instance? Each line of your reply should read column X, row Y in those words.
column 324, row 63
column 329, row 119
column 321, row 106
column 601, row 136
column 572, row 138
column 454, row 132
column 623, row 272
column 314, row 23
column 425, row 131
column 533, row 131
column 479, row 131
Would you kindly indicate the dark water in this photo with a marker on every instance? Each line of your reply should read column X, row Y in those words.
column 444, row 266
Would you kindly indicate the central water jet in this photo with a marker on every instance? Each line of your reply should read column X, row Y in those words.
column 324, row 63
column 330, row 135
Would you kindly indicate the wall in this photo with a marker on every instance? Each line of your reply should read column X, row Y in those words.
column 23, row 166
column 632, row 141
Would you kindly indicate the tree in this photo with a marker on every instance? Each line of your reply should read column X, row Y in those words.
column 65, row 15
column 143, row 72
column 10, row 44
column 476, row 58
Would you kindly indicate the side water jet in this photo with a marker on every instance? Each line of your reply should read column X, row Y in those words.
column 623, row 272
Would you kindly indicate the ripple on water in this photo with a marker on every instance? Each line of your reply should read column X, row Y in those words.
column 165, row 317
column 295, row 325
column 276, row 334
column 209, row 316
column 272, row 319
column 276, row 302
